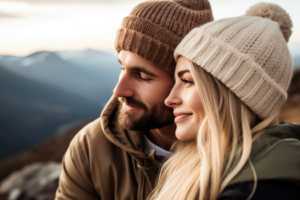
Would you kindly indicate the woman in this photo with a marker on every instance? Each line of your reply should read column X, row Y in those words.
column 231, row 78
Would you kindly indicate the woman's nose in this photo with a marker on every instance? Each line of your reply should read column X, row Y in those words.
column 173, row 99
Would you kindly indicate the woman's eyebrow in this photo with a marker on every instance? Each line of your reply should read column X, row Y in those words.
column 180, row 73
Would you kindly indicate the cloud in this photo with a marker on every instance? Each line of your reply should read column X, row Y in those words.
column 9, row 15
column 80, row 1
column 14, row 10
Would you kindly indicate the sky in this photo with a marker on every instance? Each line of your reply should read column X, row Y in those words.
column 28, row 26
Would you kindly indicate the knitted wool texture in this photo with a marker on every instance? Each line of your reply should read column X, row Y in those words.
column 249, row 54
column 154, row 28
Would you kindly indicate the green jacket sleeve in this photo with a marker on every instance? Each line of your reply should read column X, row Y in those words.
column 75, row 180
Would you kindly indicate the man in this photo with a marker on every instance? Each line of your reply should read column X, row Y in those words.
column 118, row 155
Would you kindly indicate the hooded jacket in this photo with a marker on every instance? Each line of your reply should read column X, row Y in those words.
column 106, row 162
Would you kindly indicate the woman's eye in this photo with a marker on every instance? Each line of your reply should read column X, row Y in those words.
column 186, row 81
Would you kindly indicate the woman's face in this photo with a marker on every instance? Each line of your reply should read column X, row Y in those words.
column 185, row 101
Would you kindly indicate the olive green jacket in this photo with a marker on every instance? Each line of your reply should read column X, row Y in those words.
column 106, row 162
column 275, row 155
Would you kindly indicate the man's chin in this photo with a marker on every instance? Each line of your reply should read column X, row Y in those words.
column 129, row 120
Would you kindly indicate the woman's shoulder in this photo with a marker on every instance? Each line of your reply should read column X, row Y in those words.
column 275, row 155
column 276, row 143
column 282, row 131
column 284, row 138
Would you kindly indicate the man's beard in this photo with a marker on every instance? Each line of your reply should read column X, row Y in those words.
column 157, row 116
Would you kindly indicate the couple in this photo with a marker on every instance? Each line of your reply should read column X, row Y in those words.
column 229, row 81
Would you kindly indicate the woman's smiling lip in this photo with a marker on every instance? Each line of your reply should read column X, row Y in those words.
column 181, row 116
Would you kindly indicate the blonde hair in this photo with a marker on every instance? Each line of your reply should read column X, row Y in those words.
column 202, row 168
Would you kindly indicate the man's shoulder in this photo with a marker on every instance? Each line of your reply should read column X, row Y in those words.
column 91, row 133
column 91, row 143
column 87, row 164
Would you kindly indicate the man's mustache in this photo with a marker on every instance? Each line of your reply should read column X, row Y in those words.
column 132, row 102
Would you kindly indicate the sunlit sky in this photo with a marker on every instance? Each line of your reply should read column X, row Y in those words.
column 27, row 26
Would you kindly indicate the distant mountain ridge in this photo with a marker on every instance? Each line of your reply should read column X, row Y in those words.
column 90, row 74
column 45, row 91
column 297, row 62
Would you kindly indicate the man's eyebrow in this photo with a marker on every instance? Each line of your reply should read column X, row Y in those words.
column 180, row 73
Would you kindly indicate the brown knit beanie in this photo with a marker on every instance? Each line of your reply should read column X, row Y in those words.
column 154, row 28
column 249, row 54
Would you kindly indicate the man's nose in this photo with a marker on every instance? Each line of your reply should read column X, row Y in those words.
column 173, row 99
column 124, row 86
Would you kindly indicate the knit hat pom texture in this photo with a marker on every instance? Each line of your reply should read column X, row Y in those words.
column 273, row 12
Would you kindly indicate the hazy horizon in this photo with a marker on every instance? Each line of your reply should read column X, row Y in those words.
column 29, row 26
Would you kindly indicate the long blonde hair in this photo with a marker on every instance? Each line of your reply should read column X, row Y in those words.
column 202, row 168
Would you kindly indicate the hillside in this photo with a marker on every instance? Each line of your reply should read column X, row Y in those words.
column 46, row 91
column 32, row 111
column 51, row 149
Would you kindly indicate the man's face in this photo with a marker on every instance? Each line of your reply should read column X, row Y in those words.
column 141, row 91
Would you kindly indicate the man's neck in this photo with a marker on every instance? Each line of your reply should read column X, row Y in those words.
column 163, row 137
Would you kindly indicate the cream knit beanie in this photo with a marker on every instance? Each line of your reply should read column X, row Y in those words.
column 249, row 54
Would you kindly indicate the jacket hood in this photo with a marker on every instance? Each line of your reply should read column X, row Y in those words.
column 130, row 141
column 275, row 155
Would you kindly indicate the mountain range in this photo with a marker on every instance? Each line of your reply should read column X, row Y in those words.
column 45, row 92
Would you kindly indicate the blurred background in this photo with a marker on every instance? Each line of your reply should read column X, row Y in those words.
column 58, row 68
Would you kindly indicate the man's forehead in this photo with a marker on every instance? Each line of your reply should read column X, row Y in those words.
column 131, row 60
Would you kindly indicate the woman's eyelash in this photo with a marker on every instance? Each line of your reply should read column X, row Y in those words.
column 186, row 81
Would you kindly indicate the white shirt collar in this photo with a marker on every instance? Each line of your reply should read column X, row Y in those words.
column 158, row 150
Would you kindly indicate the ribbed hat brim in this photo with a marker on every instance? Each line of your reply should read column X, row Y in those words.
column 144, row 38
column 147, row 47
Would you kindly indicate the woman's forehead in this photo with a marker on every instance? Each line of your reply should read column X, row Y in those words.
column 182, row 64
